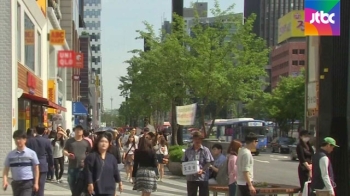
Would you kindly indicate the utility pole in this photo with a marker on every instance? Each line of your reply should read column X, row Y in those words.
column 111, row 104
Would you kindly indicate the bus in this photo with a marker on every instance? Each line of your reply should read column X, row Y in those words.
column 238, row 128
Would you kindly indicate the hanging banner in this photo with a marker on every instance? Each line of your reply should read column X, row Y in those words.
column 51, row 94
column 79, row 60
column 185, row 115
column 57, row 37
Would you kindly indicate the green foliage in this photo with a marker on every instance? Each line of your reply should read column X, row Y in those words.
column 220, row 63
column 175, row 154
column 285, row 104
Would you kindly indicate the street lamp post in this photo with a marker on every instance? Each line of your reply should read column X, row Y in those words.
column 111, row 110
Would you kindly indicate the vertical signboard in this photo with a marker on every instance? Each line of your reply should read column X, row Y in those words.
column 51, row 94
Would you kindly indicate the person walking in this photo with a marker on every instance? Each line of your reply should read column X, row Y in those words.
column 58, row 157
column 245, row 166
column 24, row 166
column 145, row 172
column 76, row 149
column 101, row 169
column 198, row 152
column 232, row 152
column 322, row 170
column 304, row 152
column 161, row 149
column 129, row 149
column 50, row 172
column 42, row 147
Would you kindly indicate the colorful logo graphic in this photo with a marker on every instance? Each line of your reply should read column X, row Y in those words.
column 322, row 17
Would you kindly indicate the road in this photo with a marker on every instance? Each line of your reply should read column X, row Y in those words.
column 273, row 168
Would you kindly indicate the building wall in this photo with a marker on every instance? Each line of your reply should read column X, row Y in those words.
column 7, row 76
column 92, row 18
column 84, row 72
column 287, row 59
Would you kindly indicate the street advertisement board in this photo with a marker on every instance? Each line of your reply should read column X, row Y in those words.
column 185, row 115
column 291, row 25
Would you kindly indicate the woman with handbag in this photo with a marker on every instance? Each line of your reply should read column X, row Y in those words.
column 145, row 172
column 128, row 157
column 305, row 152
column 101, row 169
column 161, row 152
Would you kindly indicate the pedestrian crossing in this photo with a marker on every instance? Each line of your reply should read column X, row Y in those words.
column 170, row 186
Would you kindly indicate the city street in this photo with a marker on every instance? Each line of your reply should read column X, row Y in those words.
column 272, row 168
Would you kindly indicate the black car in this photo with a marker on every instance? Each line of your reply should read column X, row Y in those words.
column 281, row 144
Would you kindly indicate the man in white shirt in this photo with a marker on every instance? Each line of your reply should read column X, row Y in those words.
column 245, row 166
column 322, row 171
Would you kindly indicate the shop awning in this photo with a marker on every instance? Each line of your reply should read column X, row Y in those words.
column 43, row 101
column 79, row 109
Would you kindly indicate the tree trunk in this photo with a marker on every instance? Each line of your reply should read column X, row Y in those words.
column 173, row 124
column 215, row 114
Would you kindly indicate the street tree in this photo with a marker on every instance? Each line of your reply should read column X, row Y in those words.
column 220, row 62
column 226, row 61
column 285, row 105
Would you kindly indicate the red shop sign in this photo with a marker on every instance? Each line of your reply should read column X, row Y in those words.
column 66, row 58
column 31, row 80
column 69, row 58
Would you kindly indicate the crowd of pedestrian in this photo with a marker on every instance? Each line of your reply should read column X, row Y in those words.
column 40, row 157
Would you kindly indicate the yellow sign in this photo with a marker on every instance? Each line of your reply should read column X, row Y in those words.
column 42, row 5
column 291, row 25
column 57, row 37
column 29, row 37
column 51, row 94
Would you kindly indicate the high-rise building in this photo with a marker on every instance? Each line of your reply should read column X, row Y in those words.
column 268, row 12
column 92, row 19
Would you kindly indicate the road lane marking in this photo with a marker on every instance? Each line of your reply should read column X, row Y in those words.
column 261, row 161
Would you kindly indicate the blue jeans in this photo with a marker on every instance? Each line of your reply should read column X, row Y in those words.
column 72, row 178
column 232, row 189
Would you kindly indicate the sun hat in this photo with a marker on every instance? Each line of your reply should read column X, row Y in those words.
column 330, row 141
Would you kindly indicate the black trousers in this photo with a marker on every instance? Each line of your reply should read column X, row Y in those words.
column 59, row 167
column 244, row 189
column 193, row 186
column 303, row 177
column 22, row 188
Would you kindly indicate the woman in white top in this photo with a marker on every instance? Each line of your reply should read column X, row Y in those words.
column 161, row 149
column 58, row 146
column 128, row 157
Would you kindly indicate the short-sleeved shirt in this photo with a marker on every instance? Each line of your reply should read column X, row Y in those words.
column 21, row 163
column 204, row 156
column 79, row 149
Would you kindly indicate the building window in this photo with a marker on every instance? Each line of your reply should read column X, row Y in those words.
column 39, row 54
column 301, row 62
column 302, row 51
column 23, row 114
column 294, row 51
column 29, row 48
column 294, row 62
column 19, row 34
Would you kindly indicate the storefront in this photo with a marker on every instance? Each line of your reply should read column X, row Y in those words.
column 32, row 107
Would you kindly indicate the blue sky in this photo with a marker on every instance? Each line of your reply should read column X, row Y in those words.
column 120, row 20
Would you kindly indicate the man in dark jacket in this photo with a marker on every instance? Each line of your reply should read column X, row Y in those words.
column 42, row 147
column 322, row 171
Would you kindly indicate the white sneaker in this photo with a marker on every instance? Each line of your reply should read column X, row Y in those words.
column 130, row 180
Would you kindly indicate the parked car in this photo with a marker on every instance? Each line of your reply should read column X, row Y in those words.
column 293, row 151
column 281, row 144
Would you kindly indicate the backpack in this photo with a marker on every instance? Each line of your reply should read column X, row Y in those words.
column 222, row 177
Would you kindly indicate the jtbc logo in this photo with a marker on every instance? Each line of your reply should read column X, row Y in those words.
column 322, row 18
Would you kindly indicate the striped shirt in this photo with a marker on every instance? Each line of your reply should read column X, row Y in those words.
column 21, row 164
column 203, row 155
